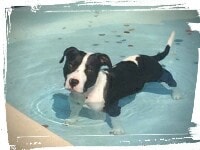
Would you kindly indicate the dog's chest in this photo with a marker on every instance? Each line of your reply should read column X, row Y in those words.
column 94, row 98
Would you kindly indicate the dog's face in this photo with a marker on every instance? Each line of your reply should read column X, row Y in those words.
column 81, row 69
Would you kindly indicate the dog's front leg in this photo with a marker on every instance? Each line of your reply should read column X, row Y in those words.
column 76, row 103
column 116, row 126
column 113, row 112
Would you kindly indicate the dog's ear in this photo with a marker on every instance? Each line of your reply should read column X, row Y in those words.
column 104, row 60
column 68, row 51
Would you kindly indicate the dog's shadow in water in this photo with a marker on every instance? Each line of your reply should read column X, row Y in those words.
column 155, row 88
column 61, row 105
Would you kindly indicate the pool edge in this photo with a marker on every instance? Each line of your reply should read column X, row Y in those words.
column 24, row 133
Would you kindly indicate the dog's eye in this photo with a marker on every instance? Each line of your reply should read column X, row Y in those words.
column 70, row 66
column 89, row 69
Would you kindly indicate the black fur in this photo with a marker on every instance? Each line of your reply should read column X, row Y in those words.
column 74, row 58
column 93, row 65
column 162, row 55
column 128, row 78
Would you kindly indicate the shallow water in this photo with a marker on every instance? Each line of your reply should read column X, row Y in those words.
column 34, row 82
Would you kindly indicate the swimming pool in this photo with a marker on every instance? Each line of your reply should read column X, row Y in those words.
column 34, row 82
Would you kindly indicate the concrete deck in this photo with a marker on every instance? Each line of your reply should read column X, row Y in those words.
column 24, row 133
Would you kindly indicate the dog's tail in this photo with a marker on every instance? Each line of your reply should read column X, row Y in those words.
column 163, row 54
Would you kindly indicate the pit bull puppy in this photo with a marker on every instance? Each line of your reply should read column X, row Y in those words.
column 100, row 89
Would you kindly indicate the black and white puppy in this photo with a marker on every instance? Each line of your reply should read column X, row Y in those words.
column 100, row 89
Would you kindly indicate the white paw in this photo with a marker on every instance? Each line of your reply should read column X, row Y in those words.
column 69, row 122
column 176, row 94
column 117, row 131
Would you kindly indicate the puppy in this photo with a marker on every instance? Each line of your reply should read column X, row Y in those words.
column 100, row 89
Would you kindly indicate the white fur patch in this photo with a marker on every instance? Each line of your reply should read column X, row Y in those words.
column 78, row 74
column 95, row 95
column 171, row 39
column 132, row 58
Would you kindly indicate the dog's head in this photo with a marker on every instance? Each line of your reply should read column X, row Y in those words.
column 81, row 69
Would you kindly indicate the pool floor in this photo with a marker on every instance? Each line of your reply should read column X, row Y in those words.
column 34, row 83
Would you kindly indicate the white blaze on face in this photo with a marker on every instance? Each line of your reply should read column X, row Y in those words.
column 78, row 74
column 132, row 58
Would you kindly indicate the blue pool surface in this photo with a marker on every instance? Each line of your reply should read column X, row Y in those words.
column 34, row 82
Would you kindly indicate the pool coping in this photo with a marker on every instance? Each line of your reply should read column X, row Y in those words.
column 25, row 133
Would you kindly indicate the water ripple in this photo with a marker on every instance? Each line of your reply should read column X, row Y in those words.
column 53, row 106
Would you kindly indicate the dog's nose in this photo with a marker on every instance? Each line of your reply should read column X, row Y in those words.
column 73, row 82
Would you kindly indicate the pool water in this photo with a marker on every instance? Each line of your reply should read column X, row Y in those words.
column 34, row 83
